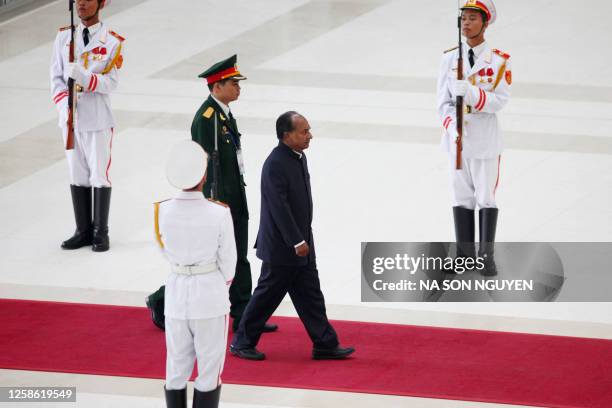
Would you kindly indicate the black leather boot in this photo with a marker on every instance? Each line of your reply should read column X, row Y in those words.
column 81, row 204
column 465, row 232
column 102, row 196
column 208, row 399
column 176, row 398
column 487, row 220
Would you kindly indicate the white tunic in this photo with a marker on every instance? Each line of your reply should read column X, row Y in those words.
column 195, row 231
column 99, row 59
column 491, row 79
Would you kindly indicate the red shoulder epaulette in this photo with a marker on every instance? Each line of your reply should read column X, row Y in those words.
column 117, row 36
column 218, row 202
column 501, row 53
column 64, row 28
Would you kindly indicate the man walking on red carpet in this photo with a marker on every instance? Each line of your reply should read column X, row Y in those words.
column 286, row 246
column 197, row 237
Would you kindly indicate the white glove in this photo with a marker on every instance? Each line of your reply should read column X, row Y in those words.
column 76, row 72
column 461, row 88
column 452, row 131
column 62, row 109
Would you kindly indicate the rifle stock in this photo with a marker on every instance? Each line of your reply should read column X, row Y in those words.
column 71, row 87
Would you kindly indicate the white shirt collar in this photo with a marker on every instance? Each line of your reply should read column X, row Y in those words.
column 223, row 106
column 477, row 49
column 298, row 153
column 189, row 195
column 92, row 29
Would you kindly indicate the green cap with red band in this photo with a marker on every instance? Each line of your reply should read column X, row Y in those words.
column 228, row 68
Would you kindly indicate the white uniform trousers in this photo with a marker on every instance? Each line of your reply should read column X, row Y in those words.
column 89, row 162
column 475, row 184
column 186, row 340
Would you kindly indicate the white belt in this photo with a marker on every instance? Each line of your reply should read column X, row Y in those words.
column 194, row 269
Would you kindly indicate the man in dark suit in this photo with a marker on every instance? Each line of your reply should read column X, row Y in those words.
column 216, row 130
column 285, row 245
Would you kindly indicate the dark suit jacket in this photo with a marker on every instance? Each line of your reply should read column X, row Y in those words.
column 286, row 208
column 231, row 184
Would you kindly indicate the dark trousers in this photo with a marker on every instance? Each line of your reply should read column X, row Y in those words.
column 302, row 284
column 240, row 289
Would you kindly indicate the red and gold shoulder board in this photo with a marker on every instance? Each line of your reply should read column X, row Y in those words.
column 117, row 36
column 451, row 49
column 64, row 28
column 501, row 53
column 218, row 202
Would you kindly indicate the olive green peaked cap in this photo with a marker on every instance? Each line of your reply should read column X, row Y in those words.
column 228, row 68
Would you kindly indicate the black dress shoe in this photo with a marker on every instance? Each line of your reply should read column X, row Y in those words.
column 157, row 315
column 269, row 328
column 248, row 353
column 337, row 353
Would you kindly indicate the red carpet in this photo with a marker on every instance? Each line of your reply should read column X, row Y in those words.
column 431, row 362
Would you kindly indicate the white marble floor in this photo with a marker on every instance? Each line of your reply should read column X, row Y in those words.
column 363, row 72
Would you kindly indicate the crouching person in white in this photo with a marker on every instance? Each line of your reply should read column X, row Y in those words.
column 197, row 237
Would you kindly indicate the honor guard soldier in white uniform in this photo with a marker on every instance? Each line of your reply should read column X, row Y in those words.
column 97, row 53
column 197, row 237
column 485, row 91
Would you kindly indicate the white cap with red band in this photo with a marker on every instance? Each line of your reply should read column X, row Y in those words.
column 483, row 5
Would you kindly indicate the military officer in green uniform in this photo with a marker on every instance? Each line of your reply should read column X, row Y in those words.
column 215, row 129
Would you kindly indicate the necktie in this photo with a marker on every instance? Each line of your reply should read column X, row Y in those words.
column 86, row 36
column 471, row 57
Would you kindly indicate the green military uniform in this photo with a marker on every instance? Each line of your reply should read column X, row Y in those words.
column 230, row 188
column 210, row 118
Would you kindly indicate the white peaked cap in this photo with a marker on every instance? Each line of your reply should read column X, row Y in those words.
column 186, row 164
column 484, row 5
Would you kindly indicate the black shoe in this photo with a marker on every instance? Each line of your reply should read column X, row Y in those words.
column 81, row 204
column 487, row 220
column 248, row 353
column 156, row 317
column 269, row 328
column 337, row 353
column 176, row 398
column 101, row 241
column 207, row 399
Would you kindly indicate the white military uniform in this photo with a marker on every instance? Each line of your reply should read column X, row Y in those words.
column 89, row 162
column 490, row 77
column 192, row 230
